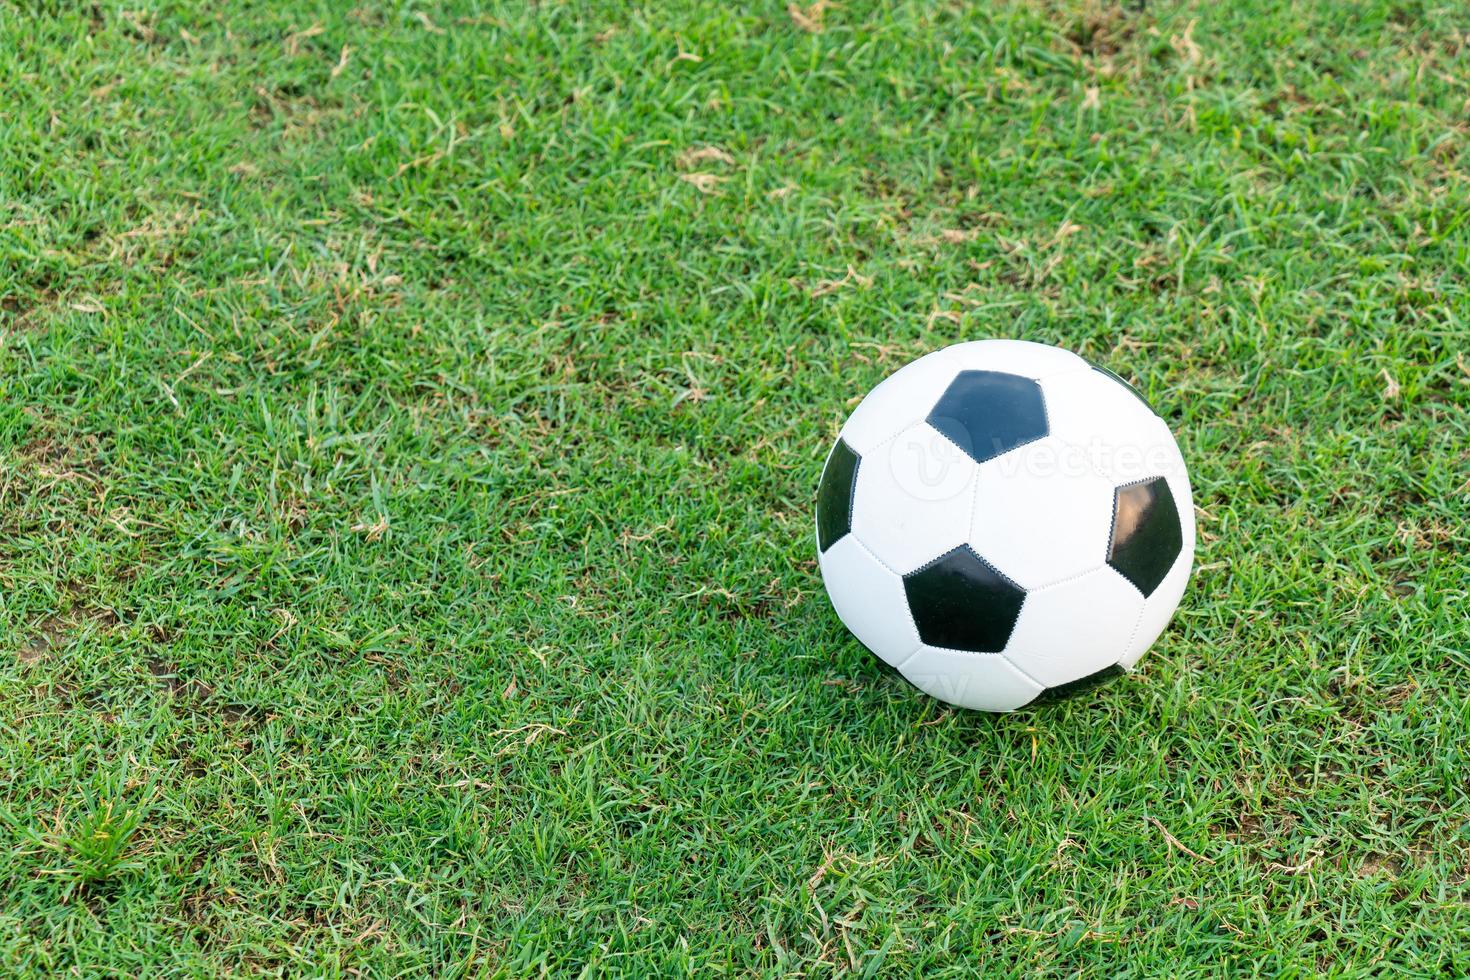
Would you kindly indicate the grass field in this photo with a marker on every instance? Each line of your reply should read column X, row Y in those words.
column 409, row 424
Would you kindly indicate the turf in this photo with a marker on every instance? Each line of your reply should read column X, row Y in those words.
column 409, row 424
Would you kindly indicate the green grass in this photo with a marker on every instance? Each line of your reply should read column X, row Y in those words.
column 407, row 461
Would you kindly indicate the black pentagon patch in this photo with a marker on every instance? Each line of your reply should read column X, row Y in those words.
column 1147, row 536
column 1119, row 378
column 986, row 413
column 960, row 602
column 1079, row 686
column 834, row 495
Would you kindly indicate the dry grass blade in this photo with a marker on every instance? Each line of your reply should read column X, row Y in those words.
column 1177, row 844
column 809, row 18
column 702, row 154
column 705, row 183
column 825, row 287
column 342, row 61
column 294, row 39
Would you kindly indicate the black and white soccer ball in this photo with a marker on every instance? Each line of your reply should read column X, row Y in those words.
column 1002, row 521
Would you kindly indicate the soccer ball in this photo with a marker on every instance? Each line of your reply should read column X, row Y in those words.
column 1004, row 521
